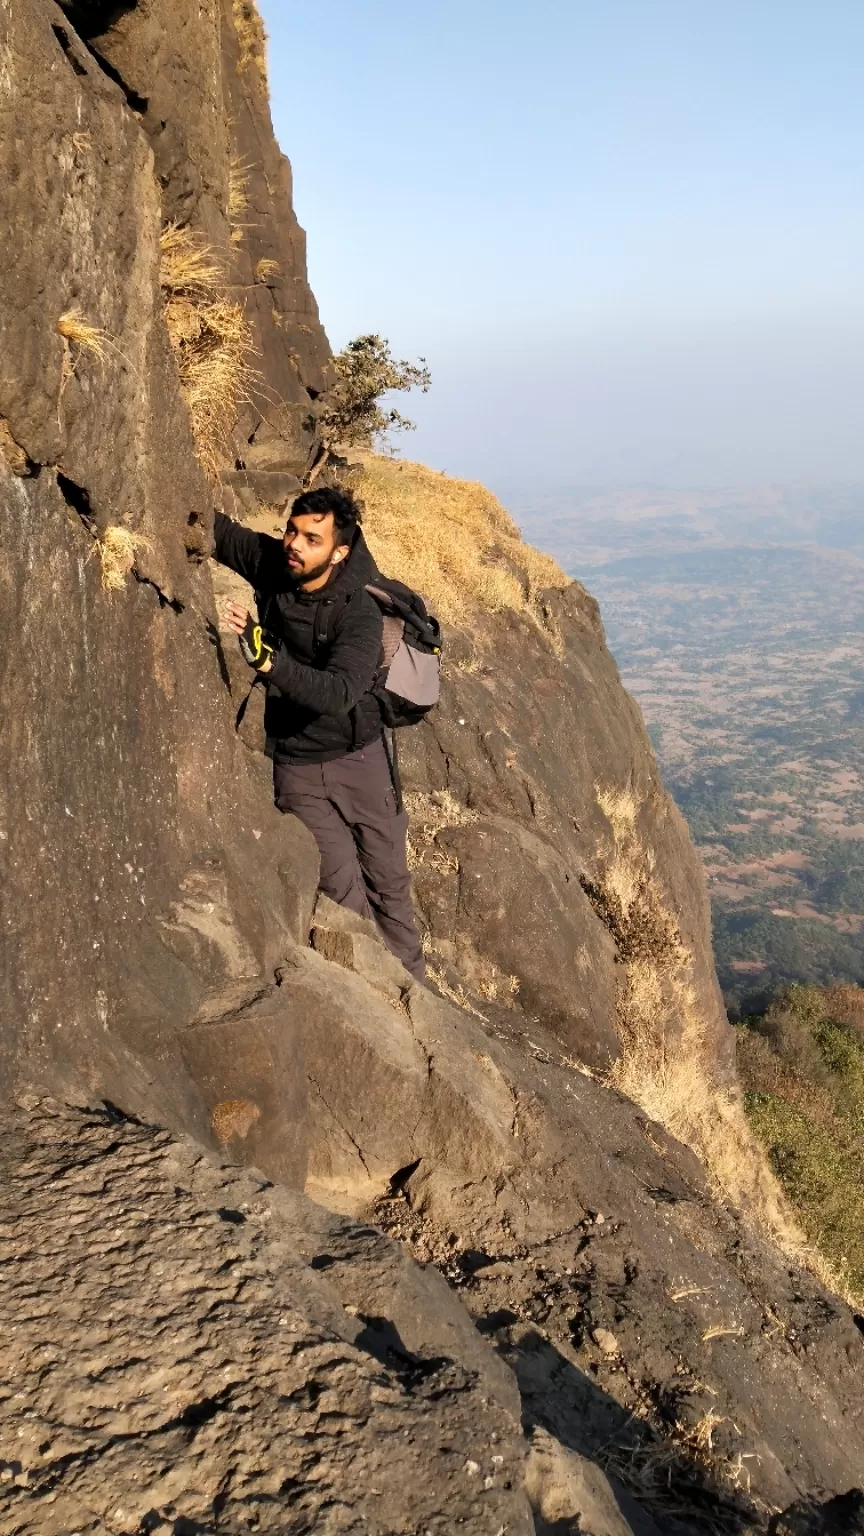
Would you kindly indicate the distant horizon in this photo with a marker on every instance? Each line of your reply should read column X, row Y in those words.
column 628, row 239
column 632, row 487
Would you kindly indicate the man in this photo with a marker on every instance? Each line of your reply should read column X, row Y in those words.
column 317, row 644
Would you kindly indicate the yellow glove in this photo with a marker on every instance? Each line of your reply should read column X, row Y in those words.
column 257, row 647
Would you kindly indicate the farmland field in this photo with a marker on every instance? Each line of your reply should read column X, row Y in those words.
column 747, row 658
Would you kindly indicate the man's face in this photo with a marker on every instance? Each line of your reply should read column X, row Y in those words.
column 312, row 546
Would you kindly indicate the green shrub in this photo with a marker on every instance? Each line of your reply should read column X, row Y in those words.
column 803, row 1075
column 367, row 371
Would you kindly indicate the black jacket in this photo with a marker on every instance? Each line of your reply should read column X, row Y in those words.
column 319, row 706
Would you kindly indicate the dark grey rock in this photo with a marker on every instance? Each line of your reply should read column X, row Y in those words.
column 191, row 1349
column 843, row 1516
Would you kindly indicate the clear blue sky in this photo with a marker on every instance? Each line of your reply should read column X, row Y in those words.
column 628, row 235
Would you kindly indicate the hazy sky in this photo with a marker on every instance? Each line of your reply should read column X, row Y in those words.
column 628, row 235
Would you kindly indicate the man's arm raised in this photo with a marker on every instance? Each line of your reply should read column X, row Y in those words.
column 250, row 554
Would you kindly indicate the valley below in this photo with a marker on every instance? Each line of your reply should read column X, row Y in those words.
column 738, row 625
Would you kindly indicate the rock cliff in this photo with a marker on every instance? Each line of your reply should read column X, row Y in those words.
column 220, row 1094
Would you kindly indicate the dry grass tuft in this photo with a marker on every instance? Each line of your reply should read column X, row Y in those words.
column 471, row 974
column 117, row 550
column 267, row 270
column 661, row 1473
column 722, row 1331
column 11, row 452
column 454, row 994
column 621, row 809
column 238, row 199
column 211, row 340
column 699, row 1438
column 451, row 540
column 498, row 987
column 238, row 189
column 429, row 815
column 78, row 332
column 665, row 1064
column 252, row 35
column 80, row 339
column 187, row 266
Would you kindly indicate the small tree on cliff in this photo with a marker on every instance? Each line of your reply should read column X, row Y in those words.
column 367, row 371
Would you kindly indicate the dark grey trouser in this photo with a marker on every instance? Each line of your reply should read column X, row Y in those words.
column 349, row 807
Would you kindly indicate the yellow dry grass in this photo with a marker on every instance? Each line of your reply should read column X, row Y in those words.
column 267, row 270
column 498, row 986
column 429, row 815
column 117, row 549
column 471, row 974
column 454, row 994
column 621, row 809
column 699, row 1438
column 252, row 36
column 665, row 1064
column 211, row 341
column 238, row 189
column 78, row 332
column 11, row 452
column 451, row 540
column 187, row 265
column 80, row 339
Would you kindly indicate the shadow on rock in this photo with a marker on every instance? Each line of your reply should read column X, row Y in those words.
column 843, row 1516
column 659, row 1486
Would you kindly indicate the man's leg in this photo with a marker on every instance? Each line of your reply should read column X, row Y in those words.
column 301, row 790
column 361, row 786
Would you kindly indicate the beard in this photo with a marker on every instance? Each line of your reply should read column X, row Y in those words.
column 310, row 572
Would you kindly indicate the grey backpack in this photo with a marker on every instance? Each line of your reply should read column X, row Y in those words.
column 408, row 682
column 409, row 676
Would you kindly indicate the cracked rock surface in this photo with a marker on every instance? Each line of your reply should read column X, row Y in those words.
column 188, row 1349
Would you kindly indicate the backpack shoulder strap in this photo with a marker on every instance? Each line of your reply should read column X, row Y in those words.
column 324, row 623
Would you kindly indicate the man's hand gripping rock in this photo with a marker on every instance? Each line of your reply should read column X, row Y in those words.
column 257, row 646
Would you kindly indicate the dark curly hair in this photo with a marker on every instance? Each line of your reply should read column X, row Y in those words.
column 347, row 511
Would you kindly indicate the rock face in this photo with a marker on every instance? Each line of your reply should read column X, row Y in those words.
column 194, row 77
column 220, row 1360
column 647, row 1326
column 135, row 900
column 532, row 739
column 193, row 1348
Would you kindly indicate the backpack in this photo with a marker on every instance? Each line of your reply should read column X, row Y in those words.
column 408, row 682
column 409, row 675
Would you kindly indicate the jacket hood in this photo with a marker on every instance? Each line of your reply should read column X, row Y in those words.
column 360, row 566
